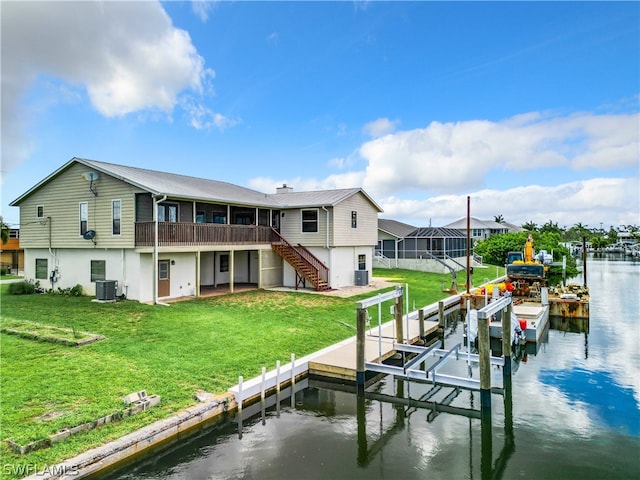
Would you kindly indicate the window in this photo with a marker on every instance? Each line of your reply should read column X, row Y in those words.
column 201, row 217
column 219, row 217
column 167, row 212
column 163, row 270
column 42, row 268
column 362, row 262
column 39, row 211
column 310, row 221
column 224, row 263
column 14, row 233
column 354, row 219
column 84, row 217
column 98, row 270
column 115, row 217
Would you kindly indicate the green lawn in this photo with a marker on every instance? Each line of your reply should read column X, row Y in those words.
column 168, row 351
column 9, row 277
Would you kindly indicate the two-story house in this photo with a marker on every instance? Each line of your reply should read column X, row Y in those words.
column 162, row 236
column 11, row 253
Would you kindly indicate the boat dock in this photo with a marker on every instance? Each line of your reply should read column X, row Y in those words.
column 340, row 363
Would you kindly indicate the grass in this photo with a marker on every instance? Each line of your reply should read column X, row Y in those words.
column 9, row 277
column 168, row 351
column 47, row 333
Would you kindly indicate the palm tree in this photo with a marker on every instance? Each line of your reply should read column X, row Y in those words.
column 498, row 219
column 530, row 226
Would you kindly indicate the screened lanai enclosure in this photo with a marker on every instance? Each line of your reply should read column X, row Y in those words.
column 425, row 243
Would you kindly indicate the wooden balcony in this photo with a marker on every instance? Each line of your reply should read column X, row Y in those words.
column 174, row 234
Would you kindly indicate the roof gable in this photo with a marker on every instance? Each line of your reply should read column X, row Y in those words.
column 318, row 198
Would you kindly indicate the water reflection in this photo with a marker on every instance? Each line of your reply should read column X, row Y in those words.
column 572, row 410
column 404, row 406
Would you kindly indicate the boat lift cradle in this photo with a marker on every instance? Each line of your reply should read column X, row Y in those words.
column 410, row 370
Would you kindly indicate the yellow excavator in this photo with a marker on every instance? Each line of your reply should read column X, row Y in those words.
column 525, row 267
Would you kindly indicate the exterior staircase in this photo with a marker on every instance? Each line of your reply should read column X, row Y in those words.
column 307, row 266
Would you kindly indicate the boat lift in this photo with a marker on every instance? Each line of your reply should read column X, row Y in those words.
column 410, row 370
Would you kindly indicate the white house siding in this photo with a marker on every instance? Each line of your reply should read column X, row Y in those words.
column 271, row 269
column 342, row 263
column 182, row 273
column 345, row 262
column 61, row 199
column 74, row 267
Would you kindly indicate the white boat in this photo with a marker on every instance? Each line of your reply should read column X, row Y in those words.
column 528, row 322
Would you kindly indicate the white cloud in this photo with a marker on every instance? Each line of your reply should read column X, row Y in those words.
column 127, row 55
column 617, row 200
column 458, row 156
column 337, row 162
column 379, row 127
column 202, row 8
column 299, row 184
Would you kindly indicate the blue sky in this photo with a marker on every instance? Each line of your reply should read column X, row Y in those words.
column 529, row 108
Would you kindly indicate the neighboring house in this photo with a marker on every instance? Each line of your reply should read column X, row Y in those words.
column 163, row 236
column 483, row 229
column 390, row 234
column 11, row 253
column 430, row 249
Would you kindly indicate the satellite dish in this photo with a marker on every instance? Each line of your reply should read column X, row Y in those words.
column 91, row 176
column 89, row 234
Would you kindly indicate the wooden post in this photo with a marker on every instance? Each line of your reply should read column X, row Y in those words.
column 485, row 364
column 361, row 323
column 441, row 322
column 468, row 282
column 397, row 312
column 421, row 323
column 506, row 341
column 584, row 261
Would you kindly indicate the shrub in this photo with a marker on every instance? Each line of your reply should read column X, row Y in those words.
column 21, row 288
column 75, row 291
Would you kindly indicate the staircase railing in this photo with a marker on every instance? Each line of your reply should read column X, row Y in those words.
column 301, row 253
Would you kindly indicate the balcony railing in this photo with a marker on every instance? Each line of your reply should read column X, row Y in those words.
column 174, row 234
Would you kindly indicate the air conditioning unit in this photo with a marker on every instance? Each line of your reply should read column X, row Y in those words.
column 361, row 278
column 106, row 289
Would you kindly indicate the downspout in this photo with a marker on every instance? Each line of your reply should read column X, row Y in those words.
column 155, row 249
column 125, row 286
column 54, row 258
column 327, row 241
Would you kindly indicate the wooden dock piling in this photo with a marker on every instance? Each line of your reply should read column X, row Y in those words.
column 361, row 324
column 485, row 363
column 397, row 312
column 506, row 340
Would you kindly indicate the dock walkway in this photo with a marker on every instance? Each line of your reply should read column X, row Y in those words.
column 340, row 362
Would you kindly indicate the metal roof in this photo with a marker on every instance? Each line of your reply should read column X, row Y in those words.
column 202, row 189
column 395, row 228
column 318, row 198
column 476, row 223
column 436, row 232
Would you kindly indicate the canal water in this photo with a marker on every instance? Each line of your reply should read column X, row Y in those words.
column 572, row 411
